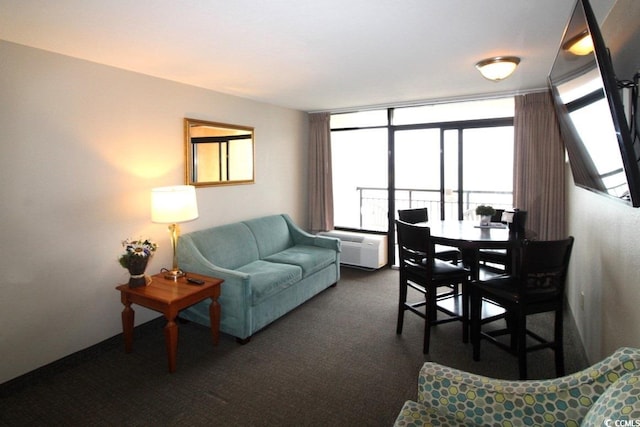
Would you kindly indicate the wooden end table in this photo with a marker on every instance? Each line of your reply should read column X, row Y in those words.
column 169, row 297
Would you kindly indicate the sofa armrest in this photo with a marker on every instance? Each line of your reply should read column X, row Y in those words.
column 192, row 261
column 487, row 401
column 301, row 237
column 327, row 242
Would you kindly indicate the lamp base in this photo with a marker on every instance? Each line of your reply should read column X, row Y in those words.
column 173, row 274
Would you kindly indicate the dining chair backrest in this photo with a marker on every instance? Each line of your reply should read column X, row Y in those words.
column 543, row 267
column 518, row 221
column 497, row 217
column 414, row 246
column 413, row 216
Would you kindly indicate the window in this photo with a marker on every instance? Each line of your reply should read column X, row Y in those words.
column 359, row 163
column 454, row 112
column 447, row 157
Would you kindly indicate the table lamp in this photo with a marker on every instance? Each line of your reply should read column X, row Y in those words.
column 171, row 205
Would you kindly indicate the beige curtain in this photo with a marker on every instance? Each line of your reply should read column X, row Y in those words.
column 539, row 169
column 320, row 178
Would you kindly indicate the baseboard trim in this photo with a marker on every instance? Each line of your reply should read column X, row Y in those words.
column 54, row 368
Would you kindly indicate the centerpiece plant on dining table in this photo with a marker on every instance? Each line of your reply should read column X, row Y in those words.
column 485, row 212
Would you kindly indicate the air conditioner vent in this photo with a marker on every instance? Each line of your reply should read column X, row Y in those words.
column 368, row 251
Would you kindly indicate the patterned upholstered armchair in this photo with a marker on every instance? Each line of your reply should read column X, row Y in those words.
column 608, row 390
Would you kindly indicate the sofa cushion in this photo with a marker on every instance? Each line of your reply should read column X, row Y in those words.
column 620, row 402
column 229, row 246
column 310, row 258
column 271, row 234
column 269, row 278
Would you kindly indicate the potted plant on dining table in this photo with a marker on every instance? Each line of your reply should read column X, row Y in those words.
column 485, row 212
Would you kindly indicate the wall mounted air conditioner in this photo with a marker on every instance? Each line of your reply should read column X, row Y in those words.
column 368, row 251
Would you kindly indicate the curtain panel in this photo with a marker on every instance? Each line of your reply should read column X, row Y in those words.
column 539, row 167
column 320, row 175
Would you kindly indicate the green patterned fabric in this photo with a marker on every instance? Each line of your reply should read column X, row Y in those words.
column 448, row 396
column 414, row 414
column 621, row 402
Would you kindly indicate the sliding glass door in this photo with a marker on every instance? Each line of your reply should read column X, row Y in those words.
column 451, row 171
column 418, row 170
column 487, row 168
column 448, row 158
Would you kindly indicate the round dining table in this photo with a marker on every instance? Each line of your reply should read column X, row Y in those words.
column 470, row 237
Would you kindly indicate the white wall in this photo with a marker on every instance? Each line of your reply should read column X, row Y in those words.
column 605, row 267
column 81, row 145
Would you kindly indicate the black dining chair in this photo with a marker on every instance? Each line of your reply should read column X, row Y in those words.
column 421, row 271
column 416, row 215
column 536, row 285
column 495, row 259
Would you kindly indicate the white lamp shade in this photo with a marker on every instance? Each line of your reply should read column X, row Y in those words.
column 498, row 68
column 174, row 204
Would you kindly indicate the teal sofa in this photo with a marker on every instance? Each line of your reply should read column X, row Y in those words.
column 269, row 266
column 607, row 393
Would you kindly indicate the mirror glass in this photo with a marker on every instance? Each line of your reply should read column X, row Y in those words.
column 218, row 153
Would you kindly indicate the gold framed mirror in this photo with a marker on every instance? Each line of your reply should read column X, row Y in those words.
column 218, row 153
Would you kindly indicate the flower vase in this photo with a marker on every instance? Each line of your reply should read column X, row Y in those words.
column 137, row 265
column 485, row 220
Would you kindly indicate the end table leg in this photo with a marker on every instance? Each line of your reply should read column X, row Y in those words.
column 127, row 327
column 171, row 341
column 214, row 316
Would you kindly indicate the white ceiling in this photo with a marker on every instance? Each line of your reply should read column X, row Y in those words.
column 325, row 55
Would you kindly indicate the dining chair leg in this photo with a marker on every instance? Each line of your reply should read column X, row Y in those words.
column 559, row 345
column 455, row 288
column 401, row 305
column 427, row 338
column 465, row 312
column 476, row 306
column 430, row 305
column 511, row 320
column 522, row 345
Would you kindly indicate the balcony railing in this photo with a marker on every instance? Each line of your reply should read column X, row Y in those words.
column 374, row 203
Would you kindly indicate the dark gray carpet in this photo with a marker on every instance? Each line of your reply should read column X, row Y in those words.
column 334, row 361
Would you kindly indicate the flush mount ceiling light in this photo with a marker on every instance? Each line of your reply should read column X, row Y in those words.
column 498, row 68
column 580, row 45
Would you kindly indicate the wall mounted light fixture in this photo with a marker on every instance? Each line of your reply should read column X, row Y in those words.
column 580, row 45
column 498, row 68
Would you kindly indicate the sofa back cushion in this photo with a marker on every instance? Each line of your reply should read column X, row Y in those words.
column 271, row 234
column 229, row 246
